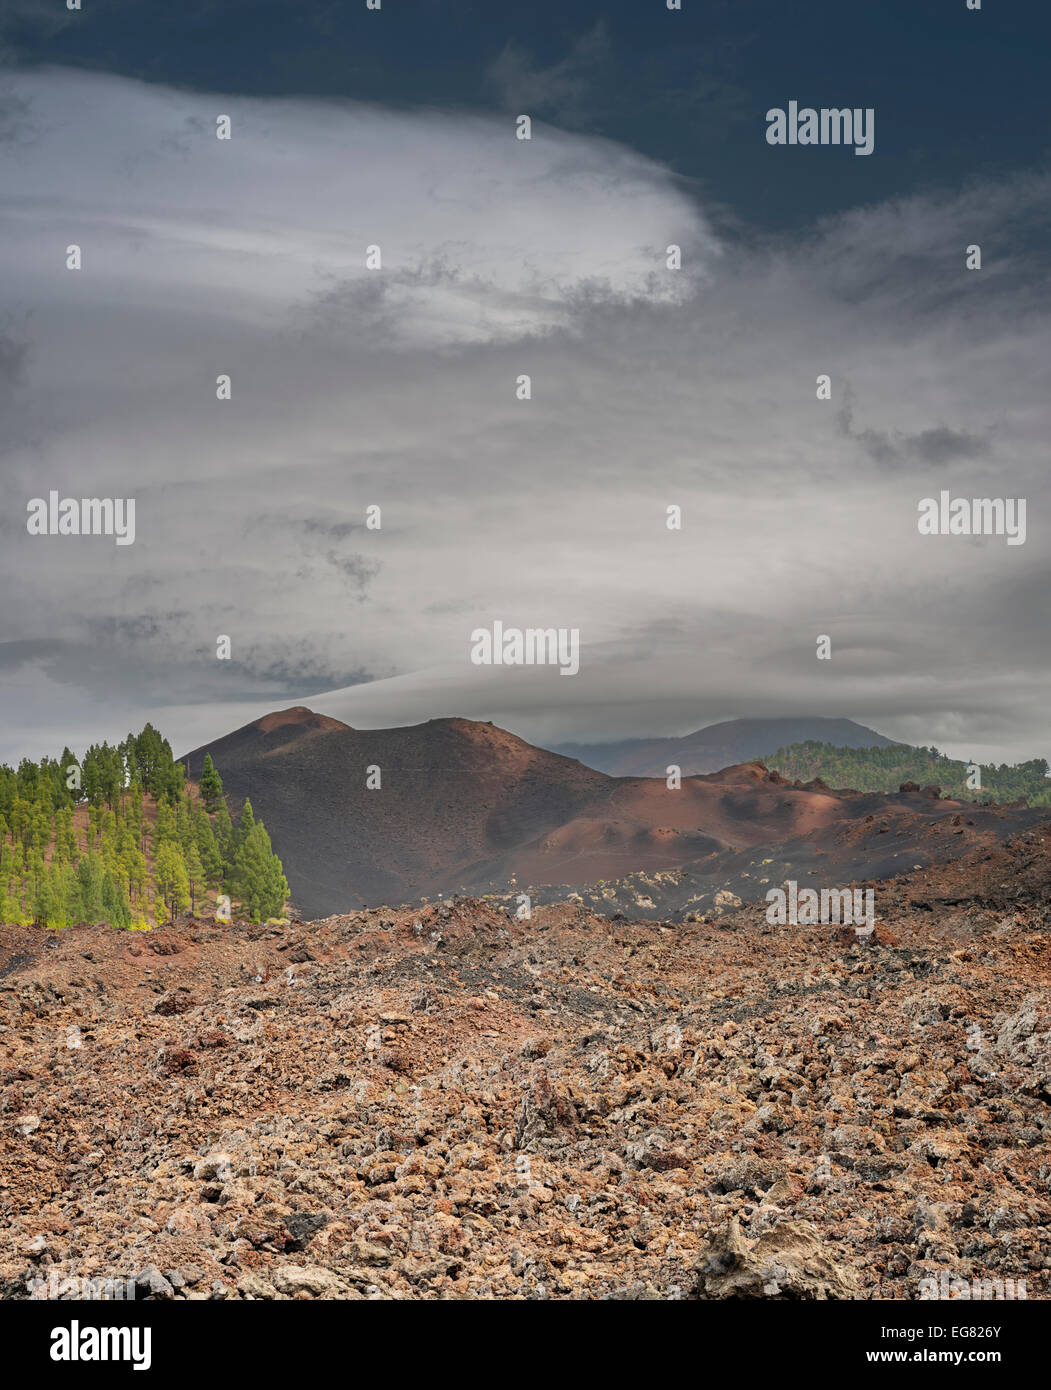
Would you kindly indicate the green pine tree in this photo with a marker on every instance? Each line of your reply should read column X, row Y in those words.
column 170, row 879
column 184, row 831
column 66, row 847
column 12, row 913
column 195, row 876
column 114, row 903
column 225, row 838
column 46, row 900
column 258, row 879
column 164, row 829
column 211, row 785
column 211, row 860
column 135, row 813
column 89, row 887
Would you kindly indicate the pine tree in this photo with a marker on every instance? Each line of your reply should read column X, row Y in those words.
column 138, row 875
column 114, row 903
column 184, row 831
column 194, row 873
column 21, row 819
column 28, row 779
column 66, row 847
column 111, row 774
column 53, row 874
column 224, row 837
column 149, row 756
column 89, row 887
column 68, row 896
column 164, row 830
column 258, row 878
column 91, row 787
column 134, row 814
column 170, row 879
column 211, row 785
column 10, row 864
column 12, row 914
column 206, row 847
column 41, row 826
column 65, row 765
column 46, row 905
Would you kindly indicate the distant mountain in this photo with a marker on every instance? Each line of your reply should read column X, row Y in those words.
column 718, row 745
column 467, row 805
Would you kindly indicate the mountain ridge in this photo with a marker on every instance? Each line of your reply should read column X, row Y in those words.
column 395, row 815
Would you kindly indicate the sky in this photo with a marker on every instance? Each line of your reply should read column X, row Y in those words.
column 354, row 387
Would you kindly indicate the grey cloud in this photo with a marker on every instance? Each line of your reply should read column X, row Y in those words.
column 149, row 679
column 356, row 568
column 15, row 352
column 334, row 530
column 14, row 655
column 943, row 445
column 561, row 89
column 18, row 123
column 649, row 388
column 896, row 449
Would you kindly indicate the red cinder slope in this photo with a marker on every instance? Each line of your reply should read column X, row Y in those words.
column 466, row 804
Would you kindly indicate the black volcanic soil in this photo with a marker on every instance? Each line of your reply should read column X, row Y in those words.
column 466, row 806
column 454, row 1103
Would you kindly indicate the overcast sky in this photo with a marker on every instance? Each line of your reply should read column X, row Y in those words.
column 396, row 387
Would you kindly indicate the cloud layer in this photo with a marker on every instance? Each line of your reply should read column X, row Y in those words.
column 396, row 388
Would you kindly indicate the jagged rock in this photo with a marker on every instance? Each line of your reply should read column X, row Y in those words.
column 151, row 1283
column 616, row 1093
column 302, row 1227
column 312, row 1280
column 788, row 1261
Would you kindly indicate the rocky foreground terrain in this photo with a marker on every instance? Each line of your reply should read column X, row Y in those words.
column 449, row 1102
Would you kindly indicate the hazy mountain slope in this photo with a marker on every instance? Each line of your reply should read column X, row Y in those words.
column 718, row 745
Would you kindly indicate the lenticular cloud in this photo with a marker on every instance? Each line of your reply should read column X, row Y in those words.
column 482, row 236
